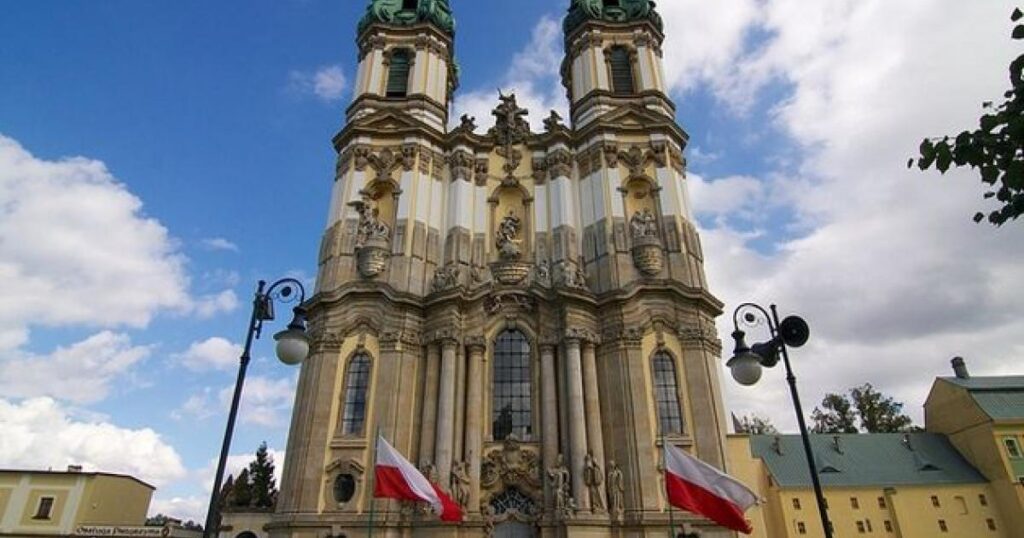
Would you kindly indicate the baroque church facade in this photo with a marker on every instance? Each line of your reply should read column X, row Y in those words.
column 524, row 315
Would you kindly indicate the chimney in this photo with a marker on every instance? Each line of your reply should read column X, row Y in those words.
column 74, row 468
column 960, row 368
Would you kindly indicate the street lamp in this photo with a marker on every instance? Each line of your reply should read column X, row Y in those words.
column 747, row 362
column 292, row 348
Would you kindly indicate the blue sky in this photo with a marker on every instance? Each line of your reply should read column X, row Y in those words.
column 217, row 117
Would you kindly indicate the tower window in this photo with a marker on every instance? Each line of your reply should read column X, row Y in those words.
column 45, row 508
column 666, row 393
column 622, row 71
column 610, row 3
column 357, row 381
column 512, row 410
column 398, row 73
column 410, row 4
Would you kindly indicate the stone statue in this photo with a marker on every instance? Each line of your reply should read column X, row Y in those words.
column 644, row 224
column 460, row 483
column 445, row 278
column 428, row 470
column 558, row 482
column 467, row 123
column 553, row 122
column 616, row 489
column 594, row 478
column 542, row 273
column 370, row 224
column 507, row 237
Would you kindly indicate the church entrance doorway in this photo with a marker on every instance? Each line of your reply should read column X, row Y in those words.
column 512, row 529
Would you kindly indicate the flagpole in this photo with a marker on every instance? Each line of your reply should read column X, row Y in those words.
column 664, row 465
column 373, row 483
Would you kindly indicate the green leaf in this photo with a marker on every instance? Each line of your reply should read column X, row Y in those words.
column 1014, row 177
column 1016, row 15
column 910, row 163
column 978, row 217
column 1018, row 31
column 944, row 157
column 989, row 174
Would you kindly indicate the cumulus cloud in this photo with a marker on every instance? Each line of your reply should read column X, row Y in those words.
column 81, row 373
column 265, row 401
column 76, row 249
column 40, row 433
column 214, row 353
column 219, row 243
column 532, row 75
column 327, row 83
column 883, row 262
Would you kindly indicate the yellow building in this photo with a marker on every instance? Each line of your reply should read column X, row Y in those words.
column 70, row 503
column 984, row 419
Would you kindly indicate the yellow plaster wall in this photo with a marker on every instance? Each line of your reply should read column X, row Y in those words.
column 5, row 498
column 748, row 470
column 36, row 493
column 113, row 500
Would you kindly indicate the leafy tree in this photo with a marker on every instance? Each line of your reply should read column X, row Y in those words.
column 879, row 413
column 241, row 491
column 837, row 417
column 995, row 149
column 261, row 476
column 756, row 425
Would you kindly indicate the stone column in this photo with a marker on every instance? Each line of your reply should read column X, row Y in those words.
column 474, row 419
column 595, row 437
column 428, row 424
column 577, row 422
column 549, row 399
column 446, row 411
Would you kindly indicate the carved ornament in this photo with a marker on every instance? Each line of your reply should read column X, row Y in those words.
column 461, row 164
column 558, row 164
column 512, row 465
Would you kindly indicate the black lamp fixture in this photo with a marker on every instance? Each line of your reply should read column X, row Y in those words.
column 292, row 348
column 747, row 364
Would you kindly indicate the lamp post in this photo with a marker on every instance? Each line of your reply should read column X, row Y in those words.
column 747, row 362
column 292, row 348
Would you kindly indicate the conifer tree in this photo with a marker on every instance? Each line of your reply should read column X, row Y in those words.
column 261, row 476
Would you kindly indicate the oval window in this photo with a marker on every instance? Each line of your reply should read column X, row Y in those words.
column 344, row 488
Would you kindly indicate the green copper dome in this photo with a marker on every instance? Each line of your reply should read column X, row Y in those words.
column 582, row 11
column 409, row 12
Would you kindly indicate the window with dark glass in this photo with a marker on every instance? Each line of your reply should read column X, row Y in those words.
column 512, row 410
column 45, row 508
column 622, row 71
column 357, row 381
column 610, row 3
column 398, row 73
column 942, row 525
column 344, row 488
column 888, row 526
column 881, row 502
column 991, row 524
column 666, row 393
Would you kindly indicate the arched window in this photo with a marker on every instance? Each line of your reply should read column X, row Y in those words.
column 357, row 380
column 622, row 71
column 398, row 73
column 512, row 410
column 666, row 395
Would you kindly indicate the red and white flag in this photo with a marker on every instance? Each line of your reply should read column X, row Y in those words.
column 697, row 487
column 396, row 478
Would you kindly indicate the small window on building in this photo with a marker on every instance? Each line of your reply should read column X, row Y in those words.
column 991, row 524
column 398, row 74
column 344, row 488
column 881, row 502
column 867, row 523
column 45, row 509
column 666, row 394
column 888, row 525
column 935, row 501
column 796, row 503
column 854, row 503
column 1012, row 448
column 860, row 527
column 961, row 503
column 357, row 382
column 983, row 500
column 801, row 528
column 622, row 71
column 942, row 525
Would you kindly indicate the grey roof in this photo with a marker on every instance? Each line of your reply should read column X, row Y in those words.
column 1001, row 398
column 866, row 460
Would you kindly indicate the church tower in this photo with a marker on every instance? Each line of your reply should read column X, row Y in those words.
column 524, row 315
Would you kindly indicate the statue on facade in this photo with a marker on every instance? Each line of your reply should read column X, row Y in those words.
column 558, row 482
column 428, row 470
column 445, row 278
column 553, row 122
column 460, row 483
column 542, row 273
column 507, row 237
column 616, row 489
column 370, row 224
column 467, row 123
column 644, row 224
column 594, row 478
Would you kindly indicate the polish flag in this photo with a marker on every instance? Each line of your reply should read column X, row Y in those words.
column 697, row 487
column 396, row 478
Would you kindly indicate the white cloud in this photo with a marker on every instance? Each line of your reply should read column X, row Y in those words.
column 82, row 373
column 883, row 262
column 532, row 76
column 219, row 243
column 190, row 508
column 265, row 401
column 214, row 353
column 208, row 306
column 39, row 434
column 197, row 406
column 327, row 83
